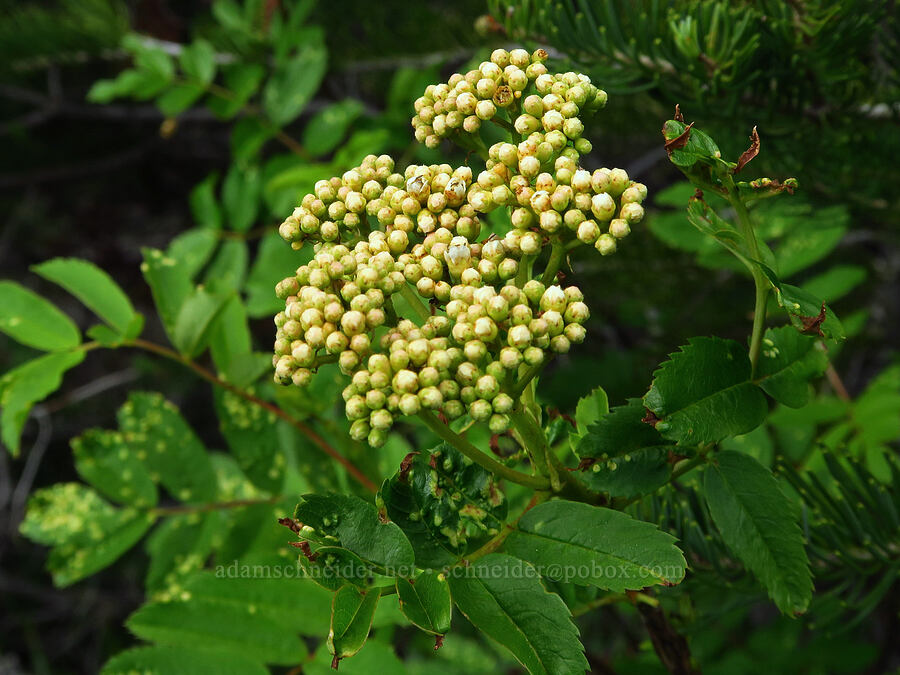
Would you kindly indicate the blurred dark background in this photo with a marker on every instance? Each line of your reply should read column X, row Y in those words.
column 99, row 181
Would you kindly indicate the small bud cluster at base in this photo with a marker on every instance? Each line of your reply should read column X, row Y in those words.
column 377, row 232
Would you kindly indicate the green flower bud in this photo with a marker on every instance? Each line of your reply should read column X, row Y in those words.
column 503, row 403
column 431, row 398
column 348, row 361
column 575, row 333
column 480, row 410
column 577, row 312
column 559, row 344
column 618, row 181
column 498, row 424
column 529, row 166
column 356, row 408
column 507, row 269
column 359, row 430
column 533, row 356
column 603, row 206
column 554, row 298
column 467, row 394
column 375, row 399
column 619, row 228
column 377, row 437
column 475, row 350
column 533, row 290
column 606, row 244
column 453, row 409
column 530, row 243
column 381, row 419
column 409, row 404
column 550, row 221
column 487, row 387
column 485, row 110
column 583, row 146
column 632, row 213
column 519, row 337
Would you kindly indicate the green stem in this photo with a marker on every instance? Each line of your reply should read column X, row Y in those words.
column 524, row 273
column 557, row 253
column 535, row 443
column 759, row 278
column 213, row 506
column 477, row 456
column 410, row 296
column 530, row 373
column 503, row 124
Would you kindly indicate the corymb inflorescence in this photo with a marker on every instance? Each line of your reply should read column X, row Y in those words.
column 477, row 319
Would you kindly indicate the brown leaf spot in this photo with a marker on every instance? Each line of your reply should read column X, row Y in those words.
column 438, row 642
column 305, row 550
column 750, row 152
column 405, row 466
column 812, row 324
column 586, row 463
column 679, row 141
column 290, row 524
column 335, row 662
column 650, row 418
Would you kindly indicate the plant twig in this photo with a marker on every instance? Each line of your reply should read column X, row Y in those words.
column 212, row 506
column 671, row 647
column 302, row 427
column 759, row 279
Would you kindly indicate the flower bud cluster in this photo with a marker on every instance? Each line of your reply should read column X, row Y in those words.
column 420, row 200
column 466, row 360
column 514, row 87
column 567, row 202
column 379, row 233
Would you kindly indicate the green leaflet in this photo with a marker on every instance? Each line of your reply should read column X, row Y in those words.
column 168, row 447
column 358, row 528
column 328, row 126
column 503, row 598
column 195, row 317
column 169, row 283
column 104, row 460
column 808, row 313
column 181, row 545
column 253, row 437
column 24, row 386
column 293, row 83
column 196, row 660
column 759, row 524
column 788, row 361
column 571, row 541
column 228, row 267
column 94, row 287
column 192, row 249
column 295, row 604
column 425, row 601
column 703, row 393
column 225, row 628
column 351, row 619
column 621, row 430
column 632, row 474
column 27, row 318
column 87, row 533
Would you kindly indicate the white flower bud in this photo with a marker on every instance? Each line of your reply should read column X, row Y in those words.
column 603, row 206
